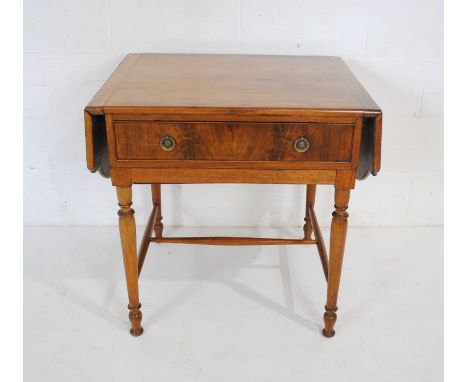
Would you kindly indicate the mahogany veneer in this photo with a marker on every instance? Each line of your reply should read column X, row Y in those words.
column 184, row 118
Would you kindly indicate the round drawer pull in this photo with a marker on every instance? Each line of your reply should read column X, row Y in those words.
column 301, row 144
column 167, row 143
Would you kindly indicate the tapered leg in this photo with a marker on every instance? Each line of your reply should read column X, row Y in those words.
column 311, row 226
column 156, row 194
column 154, row 224
column 310, row 201
column 337, row 244
column 129, row 251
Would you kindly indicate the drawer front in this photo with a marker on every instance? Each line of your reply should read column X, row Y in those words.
column 237, row 141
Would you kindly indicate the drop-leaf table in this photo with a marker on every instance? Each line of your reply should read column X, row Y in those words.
column 190, row 118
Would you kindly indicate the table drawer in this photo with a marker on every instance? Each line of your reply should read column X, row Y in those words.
column 236, row 141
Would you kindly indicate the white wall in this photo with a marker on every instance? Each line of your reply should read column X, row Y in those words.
column 394, row 47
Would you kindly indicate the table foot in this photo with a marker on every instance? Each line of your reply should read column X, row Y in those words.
column 328, row 334
column 137, row 333
column 329, row 319
column 135, row 317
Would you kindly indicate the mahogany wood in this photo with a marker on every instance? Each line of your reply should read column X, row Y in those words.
column 146, row 239
column 322, row 250
column 129, row 251
column 377, row 156
column 310, row 200
column 153, row 224
column 337, row 244
column 231, row 240
column 125, row 177
column 234, row 119
column 156, row 196
column 222, row 141
column 232, row 81
column 217, row 146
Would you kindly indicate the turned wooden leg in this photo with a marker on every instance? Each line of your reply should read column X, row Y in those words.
column 337, row 244
column 310, row 201
column 156, row 194
column 129, row 251
column 154, row 224
column 311, row 226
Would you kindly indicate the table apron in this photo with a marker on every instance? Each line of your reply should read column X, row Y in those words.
column 126, row 176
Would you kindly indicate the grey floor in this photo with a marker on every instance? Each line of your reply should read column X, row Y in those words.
column 233, row 313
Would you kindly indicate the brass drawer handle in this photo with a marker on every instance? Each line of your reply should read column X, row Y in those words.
column 167, row 143
column 301, row 144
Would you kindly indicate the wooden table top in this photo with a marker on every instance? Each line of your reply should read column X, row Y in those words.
column 164, row 81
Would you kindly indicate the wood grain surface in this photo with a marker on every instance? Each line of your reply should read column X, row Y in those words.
column 232, row 81
column 234, row 141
